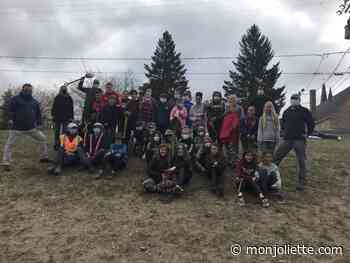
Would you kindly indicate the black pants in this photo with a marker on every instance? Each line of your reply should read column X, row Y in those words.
column 248, row 182
column 266, row 181
column 59, row 129
column 183, row 176
column 217, row 179
column 79, row 157
column 97, row 159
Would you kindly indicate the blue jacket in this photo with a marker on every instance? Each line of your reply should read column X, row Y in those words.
column 25, row 113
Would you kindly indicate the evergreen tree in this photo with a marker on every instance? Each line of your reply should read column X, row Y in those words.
column 252, row 71
column 166, row 73
column 323, row 94
column 6, row 98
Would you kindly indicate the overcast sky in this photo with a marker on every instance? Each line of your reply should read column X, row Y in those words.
column 200, row 28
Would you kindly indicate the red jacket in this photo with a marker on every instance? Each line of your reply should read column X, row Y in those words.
column 242, row 169
column 105, row 97
column 229, row 132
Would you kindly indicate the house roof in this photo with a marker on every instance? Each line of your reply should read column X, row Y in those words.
column 331, row 107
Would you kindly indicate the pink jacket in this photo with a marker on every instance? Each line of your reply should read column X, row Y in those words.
column 179, row 113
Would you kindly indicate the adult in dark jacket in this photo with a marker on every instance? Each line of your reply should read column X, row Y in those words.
column 131, row 112
column 89, row 98
column 163, row 113
column 62, row 113
column 109, row 118
column 297, row 123
column 24, row 119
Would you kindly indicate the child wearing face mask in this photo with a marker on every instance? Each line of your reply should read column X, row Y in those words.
column 95, row 145
column 247, row 177
column 153, row 146
column 187, row 139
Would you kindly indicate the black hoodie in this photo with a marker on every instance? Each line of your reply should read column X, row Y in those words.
column 62, row 109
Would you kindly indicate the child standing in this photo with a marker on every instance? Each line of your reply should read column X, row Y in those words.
column 178, row 117
column 269, row 129
column 229, row 133
column 247, row 177
column 249, row 130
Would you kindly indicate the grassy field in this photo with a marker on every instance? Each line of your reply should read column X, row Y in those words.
column 74, row 218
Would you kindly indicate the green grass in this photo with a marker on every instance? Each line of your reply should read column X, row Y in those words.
column 74, row 218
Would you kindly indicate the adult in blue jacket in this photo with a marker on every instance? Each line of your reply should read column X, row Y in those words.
column 24, row 119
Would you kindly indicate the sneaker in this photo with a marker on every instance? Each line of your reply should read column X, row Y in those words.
column 178, row 189
column 300, row 187
column 57, row 171
column 6, row 166
column 265, row 203
column 45, row 160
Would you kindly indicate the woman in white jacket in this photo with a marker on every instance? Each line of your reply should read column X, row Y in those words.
column 269, row 129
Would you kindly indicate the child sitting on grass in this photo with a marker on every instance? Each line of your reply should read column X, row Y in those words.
column 248, row 176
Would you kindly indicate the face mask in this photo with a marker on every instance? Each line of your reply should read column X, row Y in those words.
column 27, row 93
column 156, row 139
column 180, row 153
column 207, row 145
column 216, row 98
column 163, row 100
column 64, row 91
column 294, row 102
column 96, row 131
column 201, row 134
column 72, row 131
column 185, row 136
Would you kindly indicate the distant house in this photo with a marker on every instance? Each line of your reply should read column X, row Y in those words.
column 333, row 114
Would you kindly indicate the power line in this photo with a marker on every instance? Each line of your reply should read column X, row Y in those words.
column 142, row 73
column 338, row 65
column 147, row 59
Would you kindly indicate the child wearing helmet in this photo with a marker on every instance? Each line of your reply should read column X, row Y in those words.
column 95, row 144
column 71, row 150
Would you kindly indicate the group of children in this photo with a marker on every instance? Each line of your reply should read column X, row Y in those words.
column 176, row 138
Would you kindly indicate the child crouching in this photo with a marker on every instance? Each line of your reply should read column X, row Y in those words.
column 269, row 175
column 70, row 151
column 161, row 176
column 248, row 176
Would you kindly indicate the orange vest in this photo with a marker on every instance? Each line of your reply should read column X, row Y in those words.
column 69, row 146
